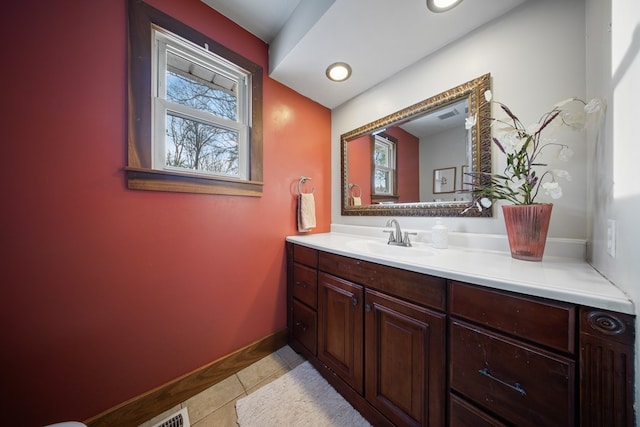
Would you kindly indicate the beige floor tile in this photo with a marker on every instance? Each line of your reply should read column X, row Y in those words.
column 160, row 417
column 224, row 417
column 266, row 381
column 290, row 357
column 261, row 370
column 213, row 398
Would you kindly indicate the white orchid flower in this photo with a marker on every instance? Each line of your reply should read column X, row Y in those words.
column 574, row 119
column 511, row 141
column 594, row 110
column 470, row 121
column 515, row 183
column 553, row 189
column 488, row 95
column 486, row 202
column 594, row 106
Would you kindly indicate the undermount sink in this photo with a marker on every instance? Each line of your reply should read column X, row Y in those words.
column 381, row 248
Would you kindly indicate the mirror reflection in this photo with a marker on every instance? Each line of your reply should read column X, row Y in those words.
column 413, row 162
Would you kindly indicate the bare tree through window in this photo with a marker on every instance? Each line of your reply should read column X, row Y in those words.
column 195, row 145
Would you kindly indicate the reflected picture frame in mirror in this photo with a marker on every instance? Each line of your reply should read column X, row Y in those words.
column 444, row 180
column 479, row 154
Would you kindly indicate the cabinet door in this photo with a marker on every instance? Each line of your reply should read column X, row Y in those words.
column 404, row 355
column 340, row 328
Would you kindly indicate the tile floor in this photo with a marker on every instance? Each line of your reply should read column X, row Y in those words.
column 216, row 405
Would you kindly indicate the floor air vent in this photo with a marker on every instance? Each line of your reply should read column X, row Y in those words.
column 179, row 419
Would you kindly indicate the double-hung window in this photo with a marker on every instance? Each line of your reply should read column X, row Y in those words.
column 384, row 166
column 201, row 110
column 195, row 111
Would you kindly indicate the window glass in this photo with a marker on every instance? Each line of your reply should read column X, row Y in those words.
column 382, row 182
column 384, row 165
column 194, row 86
column 191, row 144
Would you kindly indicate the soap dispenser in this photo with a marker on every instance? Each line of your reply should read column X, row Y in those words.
column 439, row 235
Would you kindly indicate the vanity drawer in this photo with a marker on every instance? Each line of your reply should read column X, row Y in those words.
column 522, row 384
column 464, row 414
column 306, row 256
column 304, row 329
column 305, row 285
column 544, row 322
column 415, row 287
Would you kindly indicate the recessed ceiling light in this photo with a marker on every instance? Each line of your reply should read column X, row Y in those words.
column 339, row 71
column 442, row 5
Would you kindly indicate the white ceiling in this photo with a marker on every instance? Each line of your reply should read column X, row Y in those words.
column 377, row 38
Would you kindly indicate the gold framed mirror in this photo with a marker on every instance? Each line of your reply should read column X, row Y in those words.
column 388, row 166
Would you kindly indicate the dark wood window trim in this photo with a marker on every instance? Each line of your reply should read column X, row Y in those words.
column 139, row 172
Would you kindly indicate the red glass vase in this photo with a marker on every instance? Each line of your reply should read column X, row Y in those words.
column 527, row 227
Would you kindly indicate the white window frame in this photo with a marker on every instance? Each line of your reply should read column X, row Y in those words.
column 390, row 148
column 164, row 42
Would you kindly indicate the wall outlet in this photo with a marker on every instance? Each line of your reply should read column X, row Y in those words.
column 611, row 237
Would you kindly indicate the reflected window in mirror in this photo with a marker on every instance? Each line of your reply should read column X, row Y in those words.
column 384, row 168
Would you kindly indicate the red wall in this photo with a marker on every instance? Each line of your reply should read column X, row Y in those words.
column 359, row 155
column 408, row 165
column 109, row 292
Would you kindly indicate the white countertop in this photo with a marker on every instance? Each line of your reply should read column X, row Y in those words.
column 559, row 278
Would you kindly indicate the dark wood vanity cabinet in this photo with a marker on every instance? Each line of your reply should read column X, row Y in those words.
column 409, row 349
column 302, row 294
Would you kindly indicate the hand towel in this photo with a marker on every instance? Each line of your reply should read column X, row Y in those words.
column 357, row 201
column 306, row 212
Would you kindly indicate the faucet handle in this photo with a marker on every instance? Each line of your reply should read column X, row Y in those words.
column 392, row 237
column 406, row 240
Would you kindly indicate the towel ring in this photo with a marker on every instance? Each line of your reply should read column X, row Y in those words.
column 303, row 179
column 352, row 187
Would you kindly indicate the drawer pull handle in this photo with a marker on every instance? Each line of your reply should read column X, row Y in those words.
column 303, row 284
column 517, row 387
column 301, row 326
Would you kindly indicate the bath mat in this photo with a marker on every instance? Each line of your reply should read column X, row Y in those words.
column 300, row 398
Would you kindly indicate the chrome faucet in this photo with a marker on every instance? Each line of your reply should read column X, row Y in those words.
column 395, row 236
